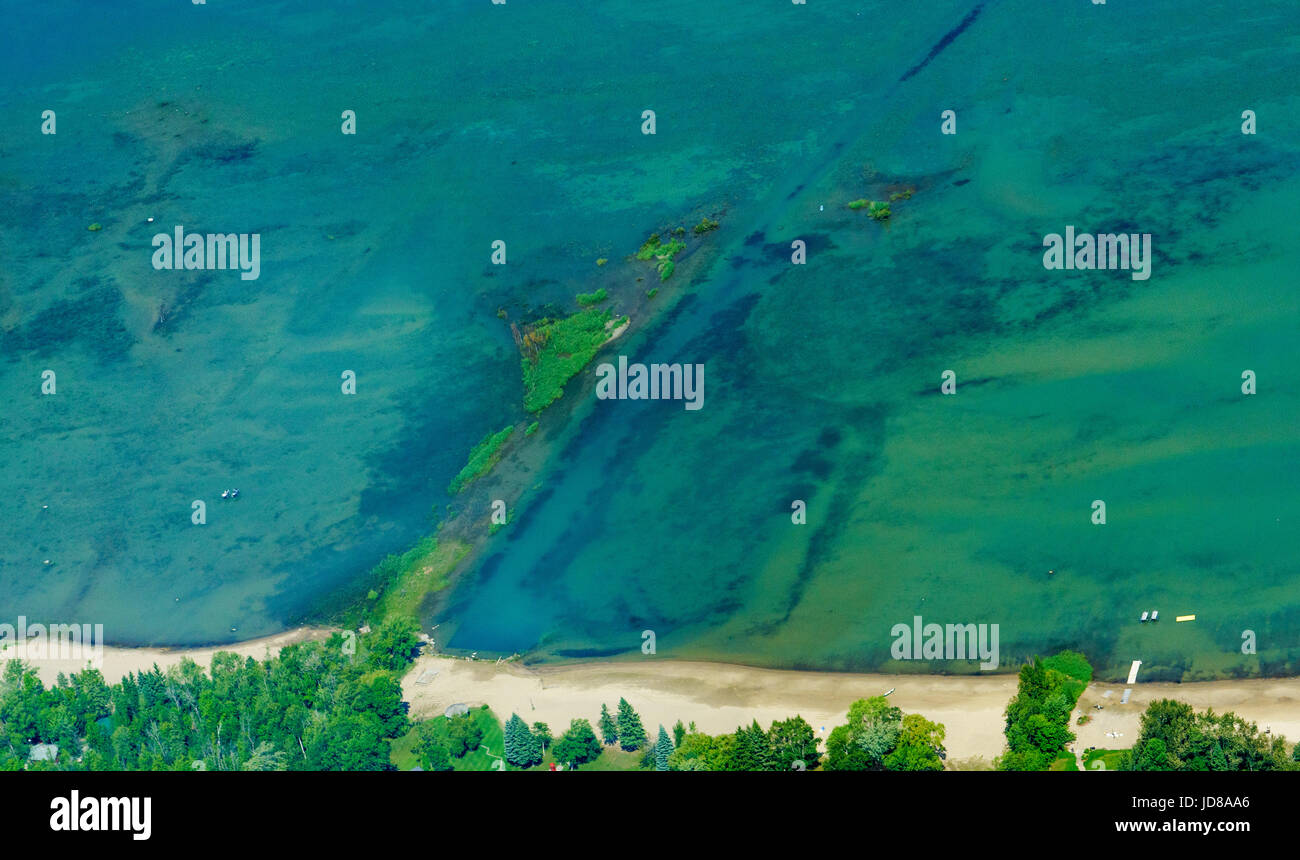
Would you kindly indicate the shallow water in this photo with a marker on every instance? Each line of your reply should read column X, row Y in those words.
column 522, row 122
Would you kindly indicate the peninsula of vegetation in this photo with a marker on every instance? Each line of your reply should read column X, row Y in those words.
column 553, row 349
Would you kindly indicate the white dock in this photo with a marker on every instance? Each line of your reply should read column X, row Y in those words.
column 1133, row 672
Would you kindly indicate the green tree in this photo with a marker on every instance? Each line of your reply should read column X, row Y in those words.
column 679, row 732
column 430, row 749
column 394, row 644
column 521, row 747
column 436, row 758
column 693, row 753
column 789, row 741
column 663, row 749
column 464, row 734
column 578, row 745
column 920, row 745
column 1154, row 755
column 631, row 734
column 1038, row 716
column 542, row 733
column 843, row 752
column 608, row 726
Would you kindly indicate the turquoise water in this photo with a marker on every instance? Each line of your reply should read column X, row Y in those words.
column 522, row 122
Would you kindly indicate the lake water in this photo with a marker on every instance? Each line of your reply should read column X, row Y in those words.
column 522, row 122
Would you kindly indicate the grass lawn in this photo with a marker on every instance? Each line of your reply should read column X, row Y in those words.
column 1109, row 757
column 611, row 758
column 403, row 751
column 1065, row 761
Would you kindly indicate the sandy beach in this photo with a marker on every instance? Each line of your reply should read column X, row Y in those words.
column 119, row 662
column 1273, row 704
column 718, row 697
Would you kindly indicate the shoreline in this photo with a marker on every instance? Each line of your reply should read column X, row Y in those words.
column 122, row 660
column 719, row 697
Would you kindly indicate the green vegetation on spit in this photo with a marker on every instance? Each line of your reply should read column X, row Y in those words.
column 496, row 527
column 481, row 460
column 553, row 351
column 556, row 350
column 705, row 225
column 654, row 249
column 876, row 209
column 400, row 582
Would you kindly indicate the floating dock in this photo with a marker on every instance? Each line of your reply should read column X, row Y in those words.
column 1185, row 618
column 1133, row 672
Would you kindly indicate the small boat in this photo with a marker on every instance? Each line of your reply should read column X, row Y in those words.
column 234, row 494
column 1143, row 619
column 1155, row 615
column 225, row 494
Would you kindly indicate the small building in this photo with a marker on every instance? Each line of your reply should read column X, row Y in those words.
column 43, row 752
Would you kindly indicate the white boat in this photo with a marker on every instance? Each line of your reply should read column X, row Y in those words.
column 1155, row 615
column 1143, row 619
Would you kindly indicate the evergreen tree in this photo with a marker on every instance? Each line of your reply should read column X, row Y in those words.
column 631, row 734
column 608, row 726
column 1218, row 761
column 749, row 748
column 679, row 734
column 663, row 749
column 518, row 742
